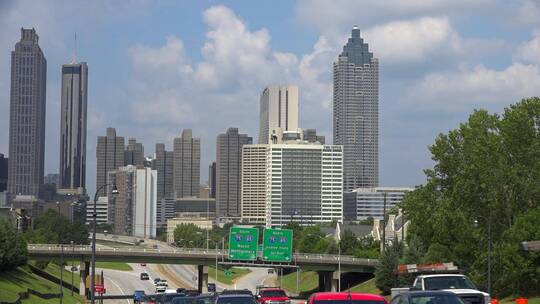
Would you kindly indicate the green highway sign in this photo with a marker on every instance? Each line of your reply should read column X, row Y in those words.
column 277, row 245
column 243, row 243
column 228, row 273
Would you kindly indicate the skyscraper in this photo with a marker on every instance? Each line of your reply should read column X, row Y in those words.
column 356, row 112
column 163, row 164
column 228, row 169
column 212, row 179
column 187, row 165
column 27, row 115
column 110, row 156
column 278, row 109
column 3, row 172
column 134, row 153
column 73, row 125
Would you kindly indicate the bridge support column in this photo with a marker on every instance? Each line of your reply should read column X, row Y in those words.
column 325, row 280
column 335, row 281
column 203, row 279
column 84, row 271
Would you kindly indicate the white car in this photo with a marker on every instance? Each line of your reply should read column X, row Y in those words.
column 160, row 288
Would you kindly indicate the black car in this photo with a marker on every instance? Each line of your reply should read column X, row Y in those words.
column 156, row 280
column 427, row 297
column 237, row 292
column 144, row 276
column 183, row 300
column 167, row 298
column 235, row 299
column 207, row 298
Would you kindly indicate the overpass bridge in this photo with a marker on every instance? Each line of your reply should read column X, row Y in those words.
column 325, row 265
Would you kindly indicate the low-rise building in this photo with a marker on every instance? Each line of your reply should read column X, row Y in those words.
column 196, row 218
column 363, row 203
column 102, row 210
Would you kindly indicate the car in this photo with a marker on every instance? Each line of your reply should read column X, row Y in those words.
column 167, row 298
column 237, row 291
column 456, row 283
column 237, row 298
column 156, row 280
column 183, row 300
column 149, row 299
column 211, row 287
column 345, row 298
column 272, row 295
column 164, row 282
column 144, row 276
column 138, row 295
column 430, row 296
column 207, row 298
column 143, row 264
column 160, row 288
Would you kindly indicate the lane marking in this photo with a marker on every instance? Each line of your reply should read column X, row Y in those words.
column 119, row 288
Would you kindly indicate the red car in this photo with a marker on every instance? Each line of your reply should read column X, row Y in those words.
column 345, row 298
column 272, row 295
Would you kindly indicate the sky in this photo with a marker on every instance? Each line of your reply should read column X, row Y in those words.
column 157, row 67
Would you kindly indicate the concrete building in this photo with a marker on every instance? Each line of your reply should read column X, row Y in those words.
column 163, row 164
column 228, row 172
column 278, row 109
column 362, row 203
column 198, row 219
column 53, row 179
column 168, row 208
column 133, row 211
column 299, row 181
column 187, row 165
column 212, row 179
column 110, row 156
column 73, row 117
column 356, row 112
column 102, row 208
column 27, row 116
column 3, row 172
column 134, row 153
column 253, row 184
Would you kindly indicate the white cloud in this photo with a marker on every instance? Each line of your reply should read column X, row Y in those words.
column 415, row 40
column 528, row 13
column 530, row 51
column 170, row 57
column 479, row 86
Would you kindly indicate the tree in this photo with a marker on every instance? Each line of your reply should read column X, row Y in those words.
column 189, row 235
column 349, row 242
column 53, row 227
column 13, row 250
column 385, row 276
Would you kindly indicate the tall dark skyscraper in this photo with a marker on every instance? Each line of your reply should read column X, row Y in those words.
column 27, row 115
column 212, row 180
column 163, row 164
column 110, row 156
column 134, row 154
column 356, row 113
column 3, row 172
column 73, row 125
column 187, row 165
column 228, row 172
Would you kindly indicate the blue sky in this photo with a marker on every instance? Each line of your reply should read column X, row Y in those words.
column 156, row 67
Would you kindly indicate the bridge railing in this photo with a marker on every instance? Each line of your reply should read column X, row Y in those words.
column 220, row 253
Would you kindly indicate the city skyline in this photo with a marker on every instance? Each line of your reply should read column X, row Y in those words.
column 407, row 127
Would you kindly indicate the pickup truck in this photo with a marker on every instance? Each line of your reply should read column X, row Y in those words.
column 456, row 283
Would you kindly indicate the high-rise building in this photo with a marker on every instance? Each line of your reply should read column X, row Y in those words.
column 228, row 172
column 102, row 208
column 212, row 179
column 187, row 165
column 292, row 179
column 278, row 109
column 110, row 156
column 133, row 211
column 134, row 153
column 163, row 164
column 356, row 112
column 362, row 203
column 73, row 126
column 3, row 172
column 27, row 116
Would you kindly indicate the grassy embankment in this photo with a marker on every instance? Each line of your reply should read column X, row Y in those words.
column 222, row 278
column 307, row 281
column 20, row 279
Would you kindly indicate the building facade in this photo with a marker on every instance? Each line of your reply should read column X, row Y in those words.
column 3, row 172
column 110, row 156
column 134, row 153
column 187, row 165
column 102, row 208
column 145, row 209
column 369, row 202
column 212, row 179
column 27, row 116
column 278, row 109
column 73, row 117
column 228, row 172
column 163, row 164
column 356, row 112
column 253, row 184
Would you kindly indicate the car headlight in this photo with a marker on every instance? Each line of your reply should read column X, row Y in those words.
column 487, row 299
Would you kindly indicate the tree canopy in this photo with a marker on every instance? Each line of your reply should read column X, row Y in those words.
column 13, row 251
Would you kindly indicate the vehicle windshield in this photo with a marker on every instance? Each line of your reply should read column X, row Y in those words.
column 182, row 300
column 436, row 299
column 236, row 300
column 345, row 301
column 273, row 293
column 449, row 282
column 205, row 300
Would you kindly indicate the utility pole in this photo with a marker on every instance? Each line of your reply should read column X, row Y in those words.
column 61, row 273
column 72, row 266
column 383, row 241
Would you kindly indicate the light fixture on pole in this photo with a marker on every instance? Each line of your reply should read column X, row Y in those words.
column 114, row 191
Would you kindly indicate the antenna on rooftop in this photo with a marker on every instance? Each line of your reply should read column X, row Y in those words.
column 74, row 59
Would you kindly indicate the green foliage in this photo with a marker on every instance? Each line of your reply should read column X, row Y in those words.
column 54, row 228
column 385, row 276
column 189, row 235
column 486, row 171
column 13, row 251
column 349, row 242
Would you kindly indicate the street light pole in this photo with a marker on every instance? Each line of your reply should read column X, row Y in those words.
column 94, row 228
column 72, row 259
column 61, row 273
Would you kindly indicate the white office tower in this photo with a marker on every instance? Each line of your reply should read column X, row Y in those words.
column 145, row 209
column 300, row 181
column 102, row 208
column 278, row 109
